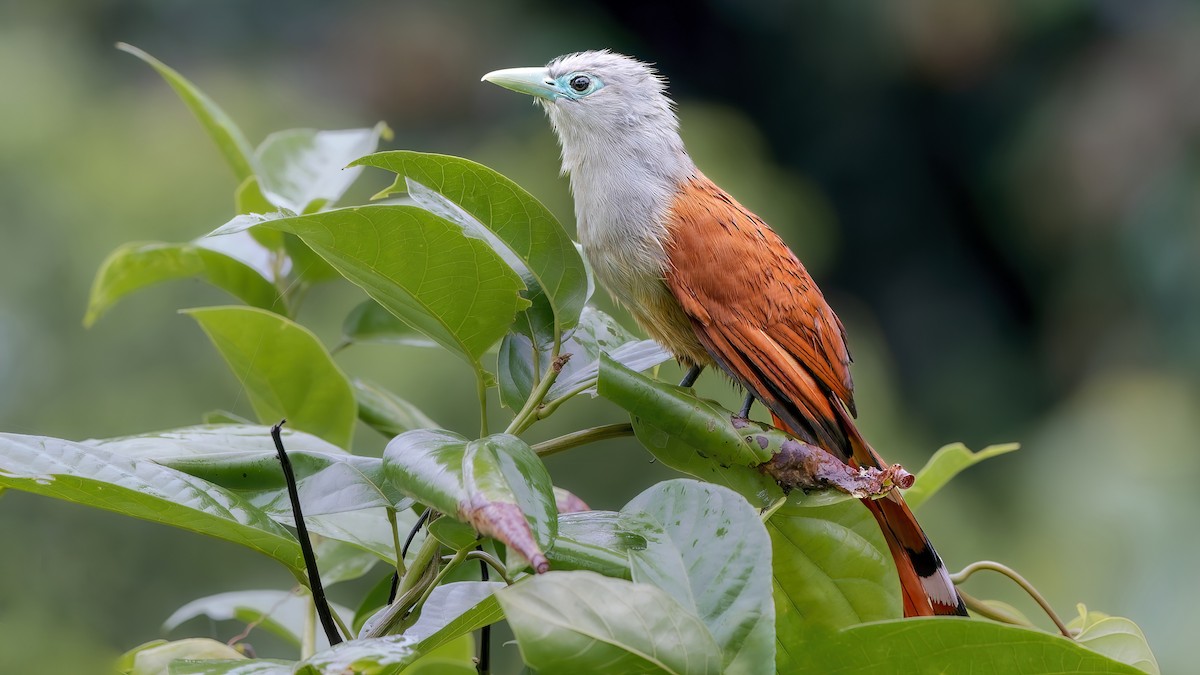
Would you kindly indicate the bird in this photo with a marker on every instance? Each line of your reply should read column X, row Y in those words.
column 709, row 280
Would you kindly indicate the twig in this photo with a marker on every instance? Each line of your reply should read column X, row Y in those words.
column 582, row 437
column 306, row 548
column 1020, row 581
column 404, row 551
column 484, row 665
column 488, row 560
column 528, row 413
column 804, row 466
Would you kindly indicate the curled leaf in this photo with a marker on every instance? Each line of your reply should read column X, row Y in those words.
column 497, row 484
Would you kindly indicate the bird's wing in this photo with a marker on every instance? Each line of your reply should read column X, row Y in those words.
column 757, row 311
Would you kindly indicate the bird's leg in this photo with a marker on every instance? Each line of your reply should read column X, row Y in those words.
column 689, row 378
column 744, row 413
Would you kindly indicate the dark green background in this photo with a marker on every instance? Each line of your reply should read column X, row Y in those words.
column 999, row 197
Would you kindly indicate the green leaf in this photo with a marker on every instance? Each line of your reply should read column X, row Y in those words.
column 340, row 561
column 248, row 198
column 496, row 484
column 285, row 370
column 940, row 645
column 423, row 269
column 945, row 464
column 601, row 541
column 369, row 322
column 455, row 609
column 155, row 658
column 140, row 488
column 229, row 139
column 693, row 435
column 281, row 612
column 596, row 333
column 1115, row 637
column 374, row 656
column 374, row 600
column 516, row 370
column 453, row 533
column 831, row 569
column 483, row 201
column 717, row 563
column 387, row 413
column 573, row 622
column 300, row 169
column 243, row 458
column 232, row 667
column 135, row 266
column 368, row 529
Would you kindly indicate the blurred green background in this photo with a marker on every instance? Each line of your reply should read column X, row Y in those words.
column 1001, row 198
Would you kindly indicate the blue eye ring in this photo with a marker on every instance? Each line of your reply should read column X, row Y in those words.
column 580, row 83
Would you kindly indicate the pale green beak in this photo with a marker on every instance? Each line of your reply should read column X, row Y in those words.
column 533, row 81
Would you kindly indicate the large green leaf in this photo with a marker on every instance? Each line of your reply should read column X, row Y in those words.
column 305, row 169
column 451, row 287
column 487, row 204
column 229, row 139
column 945, row 464
column 243, row 458
column 497, row 484
column 717, row 564
column 939, row 645
column 581, row 622
column 282, row 612
column 285, row 370
column 831, row 568
column 694, row 435
column 91, row 476
column 135, row 266
column 701, row 423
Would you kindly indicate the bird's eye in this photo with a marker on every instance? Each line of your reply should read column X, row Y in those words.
column 580, row 83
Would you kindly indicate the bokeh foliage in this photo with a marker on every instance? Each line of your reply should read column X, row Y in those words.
column 998, row 201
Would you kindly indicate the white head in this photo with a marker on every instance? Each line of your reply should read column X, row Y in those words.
column 611, row 113
column 621, row 147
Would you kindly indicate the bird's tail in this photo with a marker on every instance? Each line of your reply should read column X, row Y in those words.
column 924, row 581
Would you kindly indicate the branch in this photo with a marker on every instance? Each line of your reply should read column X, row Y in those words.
column 306, row 549
column 804, row 466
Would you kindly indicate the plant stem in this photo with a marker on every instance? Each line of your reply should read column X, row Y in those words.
column 391, row 511
column 308, row 641
column 582, row 437
column 481, row 392
column 550, row 407
column 1020, row 581
column 490, row 561
column 528, row 413
column 414, row 584
column 987, row 611
column 423, row 559
column 455, row 561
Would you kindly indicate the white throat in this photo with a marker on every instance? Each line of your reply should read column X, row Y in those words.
column 624, row 176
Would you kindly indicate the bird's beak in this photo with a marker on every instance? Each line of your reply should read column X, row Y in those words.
column 533, row 81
